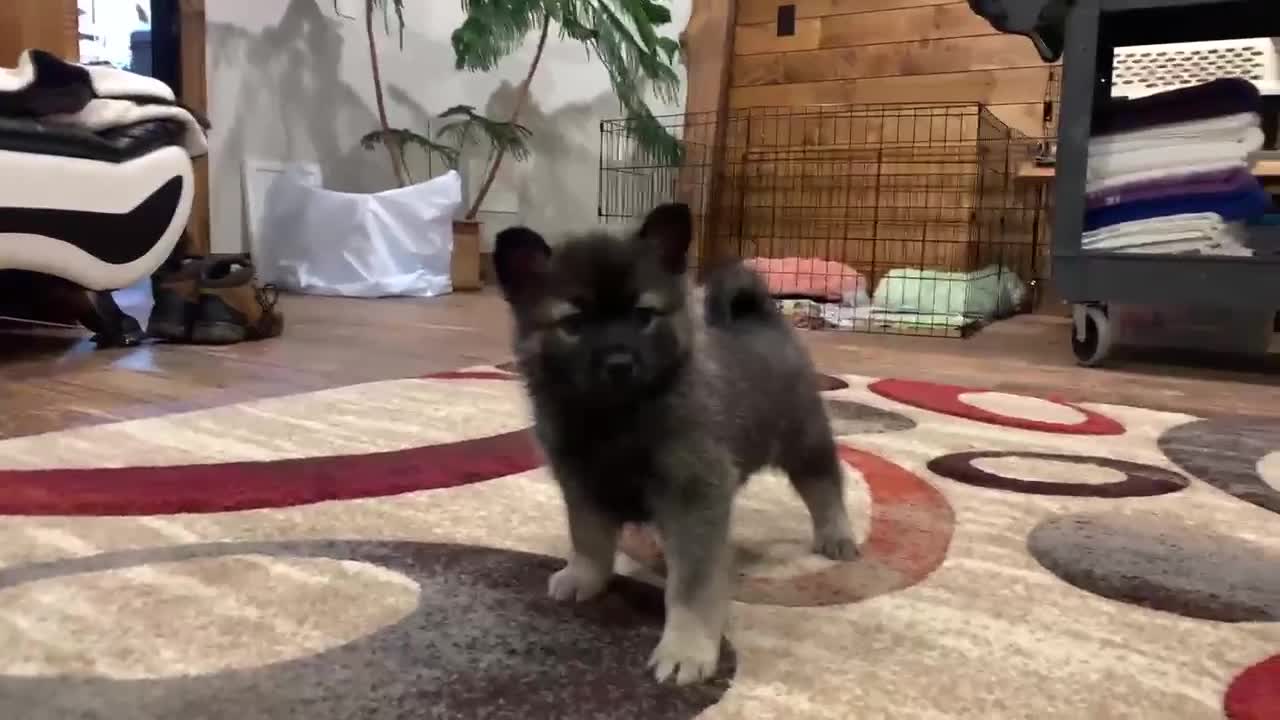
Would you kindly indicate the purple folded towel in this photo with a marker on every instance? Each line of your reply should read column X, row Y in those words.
column 1224, row 96
column 1223, row 181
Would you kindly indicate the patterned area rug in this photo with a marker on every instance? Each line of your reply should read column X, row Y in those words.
column 381, row 551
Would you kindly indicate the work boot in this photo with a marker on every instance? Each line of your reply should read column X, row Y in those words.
column 232, row 306
column 175, row 290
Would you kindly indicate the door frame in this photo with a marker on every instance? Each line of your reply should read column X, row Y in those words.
column 193, row 91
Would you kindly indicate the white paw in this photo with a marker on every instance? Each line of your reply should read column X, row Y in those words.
column 686, row 657
column 576, row 582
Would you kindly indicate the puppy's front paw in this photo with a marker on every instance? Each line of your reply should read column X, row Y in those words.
column 838, row 547
column 576, row 581
column 686, row 657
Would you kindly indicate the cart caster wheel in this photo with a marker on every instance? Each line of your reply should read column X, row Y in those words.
column 1095, row 348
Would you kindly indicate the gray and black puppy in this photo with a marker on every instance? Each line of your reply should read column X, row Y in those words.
column 653, row 404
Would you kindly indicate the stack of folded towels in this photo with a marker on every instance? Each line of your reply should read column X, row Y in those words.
column 1169, row 173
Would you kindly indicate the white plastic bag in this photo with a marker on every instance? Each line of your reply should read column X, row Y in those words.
column 323, row 242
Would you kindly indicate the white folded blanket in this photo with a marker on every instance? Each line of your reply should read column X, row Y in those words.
column 1202, row 245
column 1228, row 128
column 1186, row 222
column 1174, row 156
column 1206, row 233
column 1110, row 182
column 1199, row 246
column 102, row 114
column 91, row 97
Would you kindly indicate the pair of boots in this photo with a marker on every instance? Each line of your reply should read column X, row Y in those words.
column 214, row 300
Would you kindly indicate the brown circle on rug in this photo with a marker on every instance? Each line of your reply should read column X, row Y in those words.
column 485, row 641
column 911, row 529
column 854, row 418
column 1224, row 453
column 1140, row 480
column 1147, row 561
column 829, row 383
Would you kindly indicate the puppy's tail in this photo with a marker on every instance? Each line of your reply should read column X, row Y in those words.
column 737, row 295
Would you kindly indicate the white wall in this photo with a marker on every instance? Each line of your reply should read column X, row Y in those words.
column 289, row 81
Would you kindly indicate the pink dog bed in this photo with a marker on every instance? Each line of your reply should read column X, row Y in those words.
column 822, row 280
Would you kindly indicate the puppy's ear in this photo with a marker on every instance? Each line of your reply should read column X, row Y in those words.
column 521, row 258
column 670, row 229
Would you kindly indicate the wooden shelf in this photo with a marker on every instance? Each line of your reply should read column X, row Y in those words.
column 1267, row 168
column 1031, row 171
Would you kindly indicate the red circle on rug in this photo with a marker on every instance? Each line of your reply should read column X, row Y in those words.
column 227, row 487
column 945, row 399
column 224, row 487
column 1255, row 693
column 911, row 529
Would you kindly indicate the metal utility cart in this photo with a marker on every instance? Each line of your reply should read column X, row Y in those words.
column 1091, row 280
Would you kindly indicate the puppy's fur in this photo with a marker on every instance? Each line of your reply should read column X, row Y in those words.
column 654, row 404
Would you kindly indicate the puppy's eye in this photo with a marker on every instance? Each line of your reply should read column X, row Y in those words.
column 645, row 316
column 570, row 324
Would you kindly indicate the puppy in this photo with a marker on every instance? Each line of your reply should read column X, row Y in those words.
column 654, row 405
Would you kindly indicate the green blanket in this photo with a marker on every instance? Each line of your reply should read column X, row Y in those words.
column 950, row 298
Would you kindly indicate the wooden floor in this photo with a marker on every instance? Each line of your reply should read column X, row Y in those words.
column 53, row 378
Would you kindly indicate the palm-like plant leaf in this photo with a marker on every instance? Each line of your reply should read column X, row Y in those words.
column 494, row 29
column 401, row 138
column 398, row 6
column 655, row 139
column 627, row 53
column 466, row 126
column 670, row 47
column 620, row 32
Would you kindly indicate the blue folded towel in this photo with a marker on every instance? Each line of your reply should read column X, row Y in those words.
column 1237, row 206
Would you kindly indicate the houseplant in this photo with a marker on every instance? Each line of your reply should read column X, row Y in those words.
column 462, row 127
column 620, row 33
column 373, row 8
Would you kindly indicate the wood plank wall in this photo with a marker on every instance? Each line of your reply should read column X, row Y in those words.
column 885, row 51
column 828, row 187
column 51, row 25
column 870, row 188
column 707, row 50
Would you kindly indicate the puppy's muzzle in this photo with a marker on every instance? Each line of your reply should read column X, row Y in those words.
column 617, row 368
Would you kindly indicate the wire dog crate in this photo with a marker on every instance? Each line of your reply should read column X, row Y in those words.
column 899, row 219
column 634, row 179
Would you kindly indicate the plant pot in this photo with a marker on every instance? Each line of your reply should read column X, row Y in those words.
column 464, row 266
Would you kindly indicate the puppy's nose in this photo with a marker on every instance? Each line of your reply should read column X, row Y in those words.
column 618, row 367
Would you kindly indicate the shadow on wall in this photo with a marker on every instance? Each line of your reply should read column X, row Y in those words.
column 278, row 94
column 409, row 114
column 557, row 186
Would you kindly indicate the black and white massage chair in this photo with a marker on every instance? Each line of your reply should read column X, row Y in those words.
column 96, row 180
